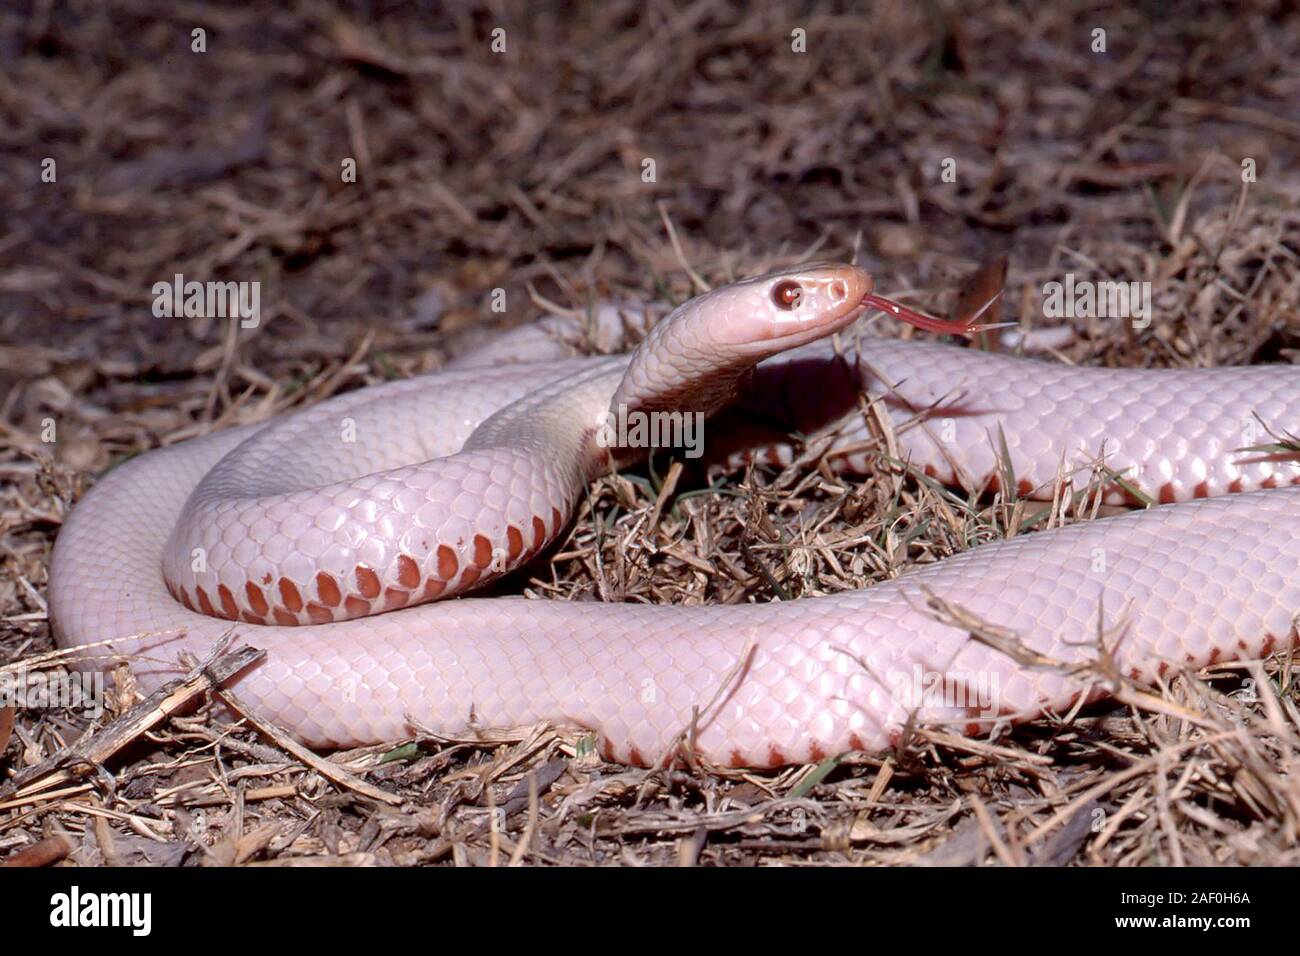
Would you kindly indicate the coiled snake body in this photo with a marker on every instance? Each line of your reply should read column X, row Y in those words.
column 304, row 528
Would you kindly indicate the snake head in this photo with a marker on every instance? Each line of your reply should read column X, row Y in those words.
column 785, row 309
column 695, row 358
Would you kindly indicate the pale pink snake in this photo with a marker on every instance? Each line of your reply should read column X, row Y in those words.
column 280, row 529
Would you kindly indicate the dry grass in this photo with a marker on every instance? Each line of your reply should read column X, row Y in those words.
column 523, row 170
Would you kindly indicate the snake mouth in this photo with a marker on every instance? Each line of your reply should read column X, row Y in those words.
column 804, row 330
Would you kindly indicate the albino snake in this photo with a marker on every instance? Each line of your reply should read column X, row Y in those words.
column 467, row 474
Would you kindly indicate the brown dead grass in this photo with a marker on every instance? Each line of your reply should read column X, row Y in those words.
column 523, row 171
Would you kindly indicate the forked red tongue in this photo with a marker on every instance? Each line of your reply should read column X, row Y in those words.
column 929, row 322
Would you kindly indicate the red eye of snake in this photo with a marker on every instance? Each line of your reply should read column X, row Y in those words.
column 787, row 294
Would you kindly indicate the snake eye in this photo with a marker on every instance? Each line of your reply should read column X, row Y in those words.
column 787, row 294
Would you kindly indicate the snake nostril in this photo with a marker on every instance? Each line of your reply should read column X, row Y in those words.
column 839, row 290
